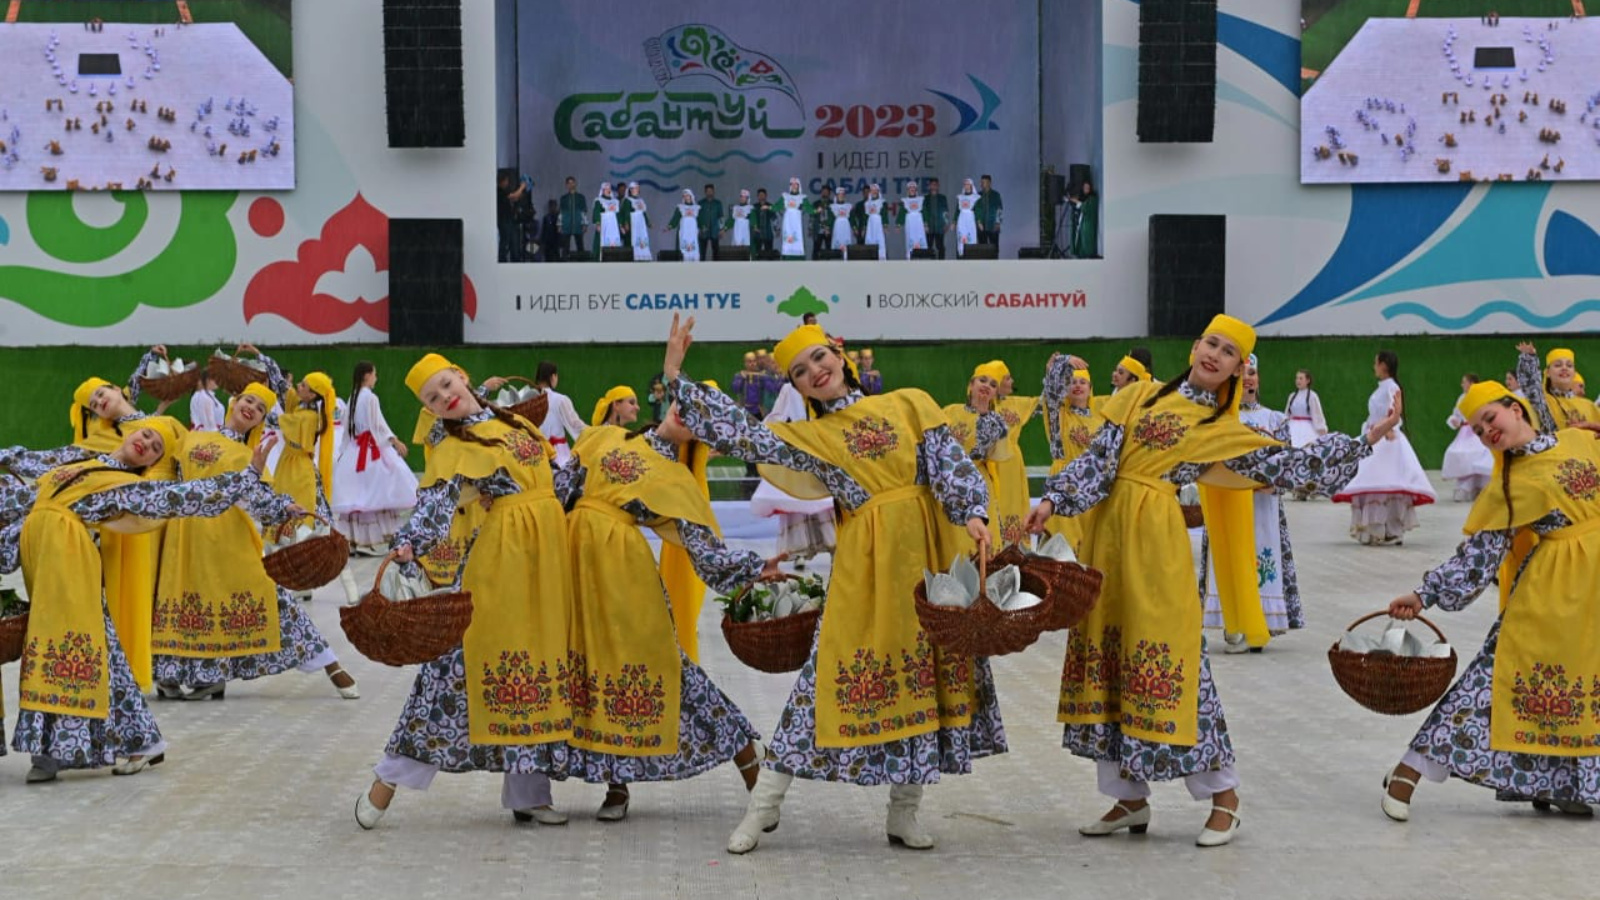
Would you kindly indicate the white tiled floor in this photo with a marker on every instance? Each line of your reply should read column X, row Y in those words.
column 255, row 799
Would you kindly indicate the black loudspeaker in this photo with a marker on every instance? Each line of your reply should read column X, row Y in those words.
column 1188, row 273
column 1055, row 190
column 1177, row 71
column 861, row 251
column 1033, row 253
column 579, row 256
column 981, row 251
column 730, row 253
column 422, row 73
column 772, row 255
column 425, row 282
column 924, row 253
column 827, row 253
column 1077, row 174
column 616, row 254
column 669, row 256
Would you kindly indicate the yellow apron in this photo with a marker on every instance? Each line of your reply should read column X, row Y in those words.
column 1567, row 410
column 1076, row 434
column 65, row 660
column 964, row 428
column 1547, row 663
column 685, row 591
column 296, row 474
column 627, row 667
column 879, row 679
column 519, row 681
column 1008, row 508
column 213, row 597
column 129, row 561
column 1135, row 661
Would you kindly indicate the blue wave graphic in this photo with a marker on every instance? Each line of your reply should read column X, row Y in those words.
column 646, row 167
column 663, row 188
column 1509, row 307
column 695, row 154
column 5, row 232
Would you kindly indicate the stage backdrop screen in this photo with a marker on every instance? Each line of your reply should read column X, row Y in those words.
column 146, row 95
column 747, row 95
column 1448, row 91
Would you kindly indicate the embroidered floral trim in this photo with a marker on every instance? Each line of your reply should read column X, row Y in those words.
column 205, row 454
column 1079, row 436
column 871, row 438
column 188, row 615
column 243, row 614
column 632, row 700
column 1578, row 478
column 1548, row 699
column 623, row 466
column 515, row 688
column 962, row 432
column 72, row 664
column 867, row 687
column 1159, row 430
column 1152, row 680
column 524, row 447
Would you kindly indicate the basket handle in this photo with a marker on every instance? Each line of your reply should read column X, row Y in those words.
column 1384, row 612
column 377, row 579
column 527, row 381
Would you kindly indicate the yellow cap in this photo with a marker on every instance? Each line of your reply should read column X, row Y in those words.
column 712, row 384
column 320, row 384
column 1560, row 353
column 1234, row 330
column 426, row 368
column 78, row 414
column 761, row 351
column 1081, row 373
column 1578, row 377
column 993, row 369
column 750, row 357
column 603, row 405
column 1484, row 393
column 1135, row 367
column 798, row 340
column 166, row 426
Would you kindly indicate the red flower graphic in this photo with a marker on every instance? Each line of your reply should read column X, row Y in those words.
column 1578, row 478
column 623, row 466
column 867, row 686
column 205, row 454
column 288, row 289
column 871, row 438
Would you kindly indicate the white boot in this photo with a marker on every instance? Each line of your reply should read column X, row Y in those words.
column 902, row 826
column 347, row 580
column 762, row 814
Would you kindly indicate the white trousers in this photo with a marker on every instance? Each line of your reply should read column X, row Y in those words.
column 517, row 791
column 1201, row 785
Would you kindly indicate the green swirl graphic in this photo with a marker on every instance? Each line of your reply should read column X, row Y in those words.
column 191, row 268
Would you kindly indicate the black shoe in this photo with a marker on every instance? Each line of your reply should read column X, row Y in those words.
column 169, row 690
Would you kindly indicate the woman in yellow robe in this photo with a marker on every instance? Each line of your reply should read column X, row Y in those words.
column 218, row 616
column 502, row 701
column 1072, row 416
column 980, row 429
column 1560, row 403
column 81, row 708
column 1136, row 689
column 891, row 708
column 1521, row 718
column 642, row 711
column 1009, row 505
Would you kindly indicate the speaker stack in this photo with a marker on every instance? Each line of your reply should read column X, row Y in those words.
column 422, row 73
column 1177, row 71
column 730, row 253
column 1188, row 273
column 616, row 254
column 981, row 251
column 425, row 282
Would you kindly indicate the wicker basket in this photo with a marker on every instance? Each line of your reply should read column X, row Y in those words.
column 170, row 388
column 533, row 409
column 773, row 645
column 1388, row 684
column 309, row 564
column 233, row 375
column 1192, row 516
column 409, row 632
column 1073, row 588
column 13, row 637
column 984, row 629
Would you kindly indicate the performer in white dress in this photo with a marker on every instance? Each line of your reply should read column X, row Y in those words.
column 608, row 229
column 805, row 527
column 873, row 206
column 910, row 218
column 739, row 220
column 1467, row 462
column 1275, row 573
column 638, row 223
column 1391, row 482
column 843, row 234
column 966, row 221
column 561, row 425
column 1306, row 422
column 686, row 221
column 206, row 412
column 373, row 488
column 796, row 211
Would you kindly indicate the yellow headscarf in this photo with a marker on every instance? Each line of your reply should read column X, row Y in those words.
column 1230, row 521
column 1577, row 378
column 166, row 426
column 268, row 399
column 79, row 414
column 994, row 369
column 602, row 407
column 1560, row 353
column 798, row 340
column 1135, row 367
column 1485, row 392
column 1082, row 373
column 426, row 368
column 320, row 384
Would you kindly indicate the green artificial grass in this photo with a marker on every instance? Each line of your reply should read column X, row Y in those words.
column 40, row 380
column 266, row 24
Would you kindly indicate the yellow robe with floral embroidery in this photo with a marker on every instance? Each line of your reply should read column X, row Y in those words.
column 1546, row 686
column 627, row 660
column 964, row 428
column 878, row 677
column 296, row 474
column 213, row 597
column 65, row 665
column 1008, row 507
column 519, row 680
column 1135, row 661
column 1076, row 434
